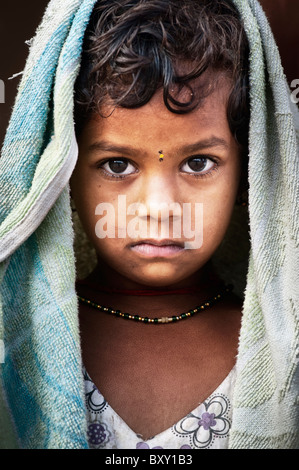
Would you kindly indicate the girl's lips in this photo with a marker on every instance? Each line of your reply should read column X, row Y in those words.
column 157, row 249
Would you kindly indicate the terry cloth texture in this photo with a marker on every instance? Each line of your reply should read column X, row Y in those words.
column 42, row 404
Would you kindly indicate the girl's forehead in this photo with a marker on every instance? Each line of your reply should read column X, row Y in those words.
column 154, row 122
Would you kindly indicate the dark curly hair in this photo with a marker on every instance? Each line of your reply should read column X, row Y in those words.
column 134, row 47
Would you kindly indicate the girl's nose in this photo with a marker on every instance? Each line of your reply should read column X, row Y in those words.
column 159, row 197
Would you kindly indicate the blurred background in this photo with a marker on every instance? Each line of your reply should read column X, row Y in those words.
column 19, row 20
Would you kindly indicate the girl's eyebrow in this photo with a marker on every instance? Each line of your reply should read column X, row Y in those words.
column 105, row 146
column 204, row 144
column 210, row 142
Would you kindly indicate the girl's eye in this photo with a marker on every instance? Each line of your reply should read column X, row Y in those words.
column 200, row 165
column 118, row 166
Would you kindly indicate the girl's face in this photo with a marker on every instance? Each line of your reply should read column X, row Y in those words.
column 183, row 204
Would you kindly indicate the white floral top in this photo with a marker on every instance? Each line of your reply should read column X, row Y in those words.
column 206, row 427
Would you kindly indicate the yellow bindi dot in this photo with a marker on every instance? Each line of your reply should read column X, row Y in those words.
column 161, row 156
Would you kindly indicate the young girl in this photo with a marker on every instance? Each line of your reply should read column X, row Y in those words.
column 161, row 97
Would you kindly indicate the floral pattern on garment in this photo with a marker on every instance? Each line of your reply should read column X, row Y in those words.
column 95, row 402
column 203, row 426
column 206, row 427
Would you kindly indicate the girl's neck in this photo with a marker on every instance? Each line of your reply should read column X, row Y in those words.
column 145, row 292
column 151, row 300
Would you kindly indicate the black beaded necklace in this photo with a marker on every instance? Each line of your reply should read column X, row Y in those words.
column 174, row 318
